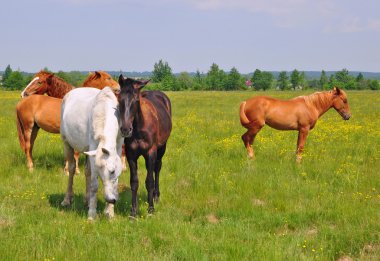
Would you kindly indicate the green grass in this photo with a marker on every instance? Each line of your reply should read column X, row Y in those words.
column 215, row 203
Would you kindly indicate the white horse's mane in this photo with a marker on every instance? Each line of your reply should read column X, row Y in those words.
column 105, row 101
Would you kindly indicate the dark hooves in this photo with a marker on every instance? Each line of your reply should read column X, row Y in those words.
column 150, row 210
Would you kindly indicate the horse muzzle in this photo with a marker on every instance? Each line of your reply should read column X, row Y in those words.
column 126, row 132
column 346, row 116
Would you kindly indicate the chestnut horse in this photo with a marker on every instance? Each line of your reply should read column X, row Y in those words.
column 300, row 113
column 146, row 125
column 40, row 111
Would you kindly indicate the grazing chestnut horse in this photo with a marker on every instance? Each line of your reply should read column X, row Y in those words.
column 146, row 125
column 40, row 111
column 300, row 113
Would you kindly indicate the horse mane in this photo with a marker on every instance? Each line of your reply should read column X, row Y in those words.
column 100, row 113
column 318, row 99
column 61, row 87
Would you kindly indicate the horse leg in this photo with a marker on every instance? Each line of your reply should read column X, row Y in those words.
column 134, row 181
column 150, row 161
column 92, row 195
column 76, row 156
column 69, row 157
column 123, row 164
column 249, row 137
column 87, row 173
column 157, row 169
column 32, row 138
column 302, row 134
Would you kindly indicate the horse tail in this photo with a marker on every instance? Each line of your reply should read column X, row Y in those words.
column 243, row 117
column 20, row 130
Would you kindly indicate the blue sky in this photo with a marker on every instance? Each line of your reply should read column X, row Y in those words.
column 131, row 35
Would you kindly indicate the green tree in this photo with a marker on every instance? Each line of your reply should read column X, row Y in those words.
column 265, row 81
column 234, row 80
column 374, row 85
column 323, row 81
column 161, row 71
column 215, row 78
column 295, row 78
column 7, row 73
column 184, row 81
column 283, row 81
column 332, row 81
column 361, row 83
column 198, row 83
column 256, row 78
column 15, row 81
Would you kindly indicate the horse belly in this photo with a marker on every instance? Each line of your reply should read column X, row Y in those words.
column 282, row 121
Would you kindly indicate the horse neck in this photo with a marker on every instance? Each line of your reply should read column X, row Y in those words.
column 139, row 118
column 58, row 88
column 321, row 101
column 106, row 125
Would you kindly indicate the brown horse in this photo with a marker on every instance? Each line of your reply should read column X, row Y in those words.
column 146, row 125
column 39, row 111
column 300, row 113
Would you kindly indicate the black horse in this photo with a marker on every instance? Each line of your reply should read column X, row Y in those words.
column 146, row 125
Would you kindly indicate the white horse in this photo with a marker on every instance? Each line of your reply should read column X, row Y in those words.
column 90, row 124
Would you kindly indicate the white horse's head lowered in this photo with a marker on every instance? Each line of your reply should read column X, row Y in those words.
column 108, row 164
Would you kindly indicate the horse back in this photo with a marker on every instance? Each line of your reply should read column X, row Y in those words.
column 161, row 103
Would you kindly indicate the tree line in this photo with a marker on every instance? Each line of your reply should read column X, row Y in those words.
column 216, row 79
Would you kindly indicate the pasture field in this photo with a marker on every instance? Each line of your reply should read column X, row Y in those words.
column 215, row 203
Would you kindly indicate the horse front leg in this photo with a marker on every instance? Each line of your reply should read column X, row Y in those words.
column 92, row 197
column 87, row 173
column 134, row 181
column 69, row 157
column 302, row 134
column 150, row 161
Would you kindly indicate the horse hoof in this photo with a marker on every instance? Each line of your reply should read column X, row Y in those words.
column 109, row 211
column 65, row 203
column 156, row 199
column 77, row 171
column 150, row 210
column 132, row 218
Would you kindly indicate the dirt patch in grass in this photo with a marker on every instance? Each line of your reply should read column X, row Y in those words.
column 211, row 218
column 5, row 222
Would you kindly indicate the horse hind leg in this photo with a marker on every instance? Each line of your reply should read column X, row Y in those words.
column 157, row 169
column 77, row 170
column 249, row 137
column 150, row 162
column 29, row 148
column 69, row 157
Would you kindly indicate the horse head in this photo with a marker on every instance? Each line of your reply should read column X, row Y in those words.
column 38, row 85
column 129, row 103
column 340, row 103
column 100, row 79
column 108, row 163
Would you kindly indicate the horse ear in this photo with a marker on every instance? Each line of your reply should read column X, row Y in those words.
column 49, row 79
column 90, row 153
column 141, row 84
column 97, row 75
column 121, row 79
column 105, row 151
column 336, row 91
